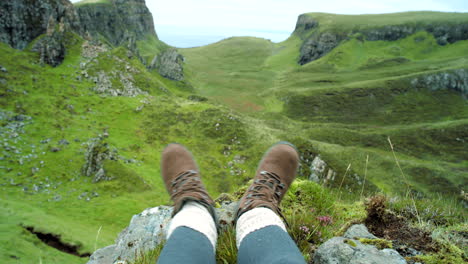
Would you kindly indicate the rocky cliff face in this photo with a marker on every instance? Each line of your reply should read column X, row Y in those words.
column 118, row 21
column 21, row 21
column 115, row 19
column 320, row 42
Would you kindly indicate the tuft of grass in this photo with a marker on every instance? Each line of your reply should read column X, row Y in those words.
column 226, row 249
column 149, row 257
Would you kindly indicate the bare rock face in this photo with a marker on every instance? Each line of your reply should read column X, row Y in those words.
column 115, row 18
column 21, row 21
column 317, row 46
column 169, row 64
column 456, row 80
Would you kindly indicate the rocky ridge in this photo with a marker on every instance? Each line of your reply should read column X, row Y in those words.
column 318, row 42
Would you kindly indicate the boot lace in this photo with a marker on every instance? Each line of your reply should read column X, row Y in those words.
column 269, row 189
column 187, row 182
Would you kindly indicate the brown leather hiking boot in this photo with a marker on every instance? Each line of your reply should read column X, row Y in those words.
column 275, row 173
column 180, row 174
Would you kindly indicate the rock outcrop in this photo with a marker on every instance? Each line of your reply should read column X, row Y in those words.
column 456, row 80
column 51, row 47
column 21, row 21
column 98, row 151
column 320, row 171
column 146, row 231
column 350, row 250
column 114, row 19
column 120, row 22
column 340, row 250
column 444, row 34
column 169, row 64
column 317, row 46
column 104, row 84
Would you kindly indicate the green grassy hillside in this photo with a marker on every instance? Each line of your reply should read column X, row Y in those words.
column 349, row 101
column 239, row 96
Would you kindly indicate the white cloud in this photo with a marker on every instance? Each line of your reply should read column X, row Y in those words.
column 223, row 18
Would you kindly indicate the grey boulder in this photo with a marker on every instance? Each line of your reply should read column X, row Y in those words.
column 341, row 250
column 358, row 231
column 146, row 231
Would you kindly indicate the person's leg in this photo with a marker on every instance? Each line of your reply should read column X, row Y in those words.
column 187, row 246
column 191, row 237
column 261, row 234
column 262, row 239
column 192, row 233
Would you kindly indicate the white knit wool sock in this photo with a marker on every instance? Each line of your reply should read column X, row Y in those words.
column 196, row 217
column 256, row 219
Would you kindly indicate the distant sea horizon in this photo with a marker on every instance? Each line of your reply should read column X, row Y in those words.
column 189, row 37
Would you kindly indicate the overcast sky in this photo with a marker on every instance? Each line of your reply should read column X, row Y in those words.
column 188, row 23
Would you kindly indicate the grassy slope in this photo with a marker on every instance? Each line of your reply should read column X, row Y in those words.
column 249, row 75
column 346, row 22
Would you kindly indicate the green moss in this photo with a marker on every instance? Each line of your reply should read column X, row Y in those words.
column 448, row 254
column 91, row 2
column 379, row 243
column 350, row 242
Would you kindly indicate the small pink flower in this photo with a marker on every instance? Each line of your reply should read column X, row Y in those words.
column 304, row 229
column 325, row 220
